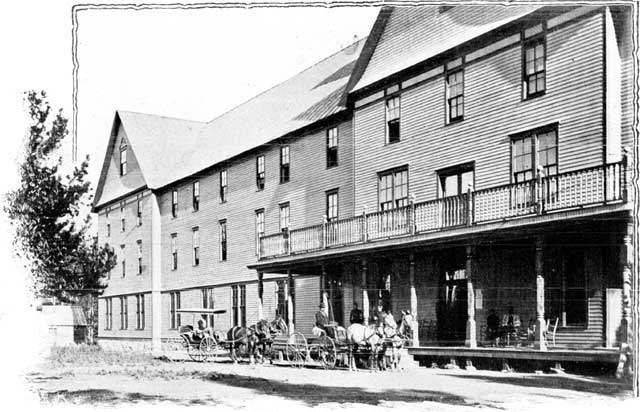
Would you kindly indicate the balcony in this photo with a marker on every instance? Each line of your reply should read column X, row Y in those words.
column 593, row 186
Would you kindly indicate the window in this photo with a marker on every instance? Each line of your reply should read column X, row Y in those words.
column 260, row 175
column 455, row 96
column 239, row 304
column 393, row 189
column 123, row 263
column 223, row 240
column 174, row 251
column 108, row 230
column 284, row 216
column 196, row 246
column 332, row 205
column 139, row 257
column 124, row 313
column 195, row 198
column 393, row 119
column 123, row 159
column 281, row 299
column 259, row 227
column 454, row 181
column 532, row 150
column 139, row 212
column 223, row 186
column 174, row 316
column 108, row 313
column 174, row 202
column 284, row 164
column 534, row 70
column 208, row 302
column 140, row 312
column 332, row 147
column 122, row 223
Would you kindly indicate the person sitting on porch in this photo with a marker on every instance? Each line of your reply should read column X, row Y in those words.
column 379, row 315
column 492, row 327
column 510, row 325
column 322, row 321
column 356, row 315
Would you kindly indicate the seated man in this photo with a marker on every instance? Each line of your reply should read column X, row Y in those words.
column 201, row 330
column 322, row 322
column 356, row 315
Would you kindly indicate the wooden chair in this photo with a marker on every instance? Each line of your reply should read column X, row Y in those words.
column 550, row 332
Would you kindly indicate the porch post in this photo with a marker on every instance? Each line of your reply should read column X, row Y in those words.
column 260, row 294
column 323, row 281
column 541, row 325
column 470, row 340
column 626, row 260
column 414, row 301
column 290, row 301
column 365, row 296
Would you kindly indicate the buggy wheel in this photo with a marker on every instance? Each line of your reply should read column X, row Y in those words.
column 297, row 349
column 208, row 348
column 195, row 353
column 327, row 352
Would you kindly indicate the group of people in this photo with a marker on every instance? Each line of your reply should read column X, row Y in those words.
column 382, row 318
column 505, row 327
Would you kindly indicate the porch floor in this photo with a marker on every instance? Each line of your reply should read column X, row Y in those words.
column 553, row 354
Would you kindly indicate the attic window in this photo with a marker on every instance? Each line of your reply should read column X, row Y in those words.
column 442, row 9
column 123, row 159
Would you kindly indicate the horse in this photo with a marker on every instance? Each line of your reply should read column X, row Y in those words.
column 239, row 337
column 265, row 331
column 360, row 335
column 405, row 330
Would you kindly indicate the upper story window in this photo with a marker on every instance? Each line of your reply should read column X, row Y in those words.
column 455, row 180
column 174, row 203
column 139, row 257
column 393, row 119
column 455, row 95
column 195, row 196
column 534, row 149
column 139, row 211
column 174, row 251
column 260, row 175
column 123, row 159
column 284, row 216
column 332, row 147
column 223, row 240
column 259, row 227
column 108, row 229
column 332, row 205
column 284, row 164
column 123, row 262
column 223, row 186
column 196, row 246
column 122, row 222
column 534, row 67
column 393, row 189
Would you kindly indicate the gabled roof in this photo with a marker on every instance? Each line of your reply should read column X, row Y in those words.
column 170, row 149
column 411, row 35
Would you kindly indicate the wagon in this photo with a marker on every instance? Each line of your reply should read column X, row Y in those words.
column 199, row 348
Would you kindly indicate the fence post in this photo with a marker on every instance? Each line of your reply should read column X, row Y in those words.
column 626, row 163
column 469, row 204
column 412, row 214
column 538, row 191
column 323, row 240
column 365, row 226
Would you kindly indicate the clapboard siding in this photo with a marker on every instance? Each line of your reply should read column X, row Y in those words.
column 305, row 193
column 494, row 110
column 624, row 33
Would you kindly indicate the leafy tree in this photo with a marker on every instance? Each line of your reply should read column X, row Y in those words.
column 51, row 234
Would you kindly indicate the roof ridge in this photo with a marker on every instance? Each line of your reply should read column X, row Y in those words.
column 288, row 79
column 160, row 115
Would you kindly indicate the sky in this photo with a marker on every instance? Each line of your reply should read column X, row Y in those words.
column 194, row 64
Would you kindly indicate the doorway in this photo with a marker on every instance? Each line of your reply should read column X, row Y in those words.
column 452, row 300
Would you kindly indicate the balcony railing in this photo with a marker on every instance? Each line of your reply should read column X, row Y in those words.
column 542, row 195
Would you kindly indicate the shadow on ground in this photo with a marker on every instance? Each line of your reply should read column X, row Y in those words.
column 313, row 395
column 569, row 382
column 109, row 397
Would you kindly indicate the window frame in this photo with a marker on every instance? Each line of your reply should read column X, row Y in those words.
column 285, row 167
column 140, row 311
column 224, row 185
column 224, row 252
column 455, row 170
column 208, row 302
column 174, row 251
column 174, row 305
column 397, row 119
column 139, row 243
column 332, row 142
column 174, row 203
column 534, row 135
column 195, row 242
column 123, row 156
column 235, row 305
column 139, row 211
column 261, row 175
column 450, row 99
column 527, row 43
column 259, row 224
column 394, row 201
column 108, row 229
column 108, row 314
column 124, row 313
column 123, row 226
column 329, row 207
column 284, row 206
column 195, row 195
column 123, row 262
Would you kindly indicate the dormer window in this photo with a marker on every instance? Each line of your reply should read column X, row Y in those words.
column 123, row 159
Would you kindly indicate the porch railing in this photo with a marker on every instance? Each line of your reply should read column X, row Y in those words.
column 542, row 195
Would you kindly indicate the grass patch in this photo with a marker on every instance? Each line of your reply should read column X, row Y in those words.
column 93, row 355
